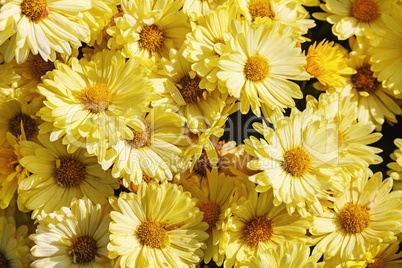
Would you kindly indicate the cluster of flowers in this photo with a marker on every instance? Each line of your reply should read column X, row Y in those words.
column 112, row 114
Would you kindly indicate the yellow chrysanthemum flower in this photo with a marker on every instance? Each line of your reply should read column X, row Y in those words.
column 382, row 255
column 91, row 104
column 365, row 215
column 215, row 196
column 258, row 70
column 289, row 255
column 160, row 226
column 149, row 28
column 13, row 245
column 152, row 152
column 58, row 177
column 41, row 26
column 298, row 160
column 257, row 225
column 355, row 17
column 396, row 167
column 328, row 62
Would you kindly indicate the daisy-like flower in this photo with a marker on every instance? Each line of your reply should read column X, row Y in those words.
column 41, row 26
column 297, row 160
column 289, row 255
column 260, row 66
column 386, row 59
column 13, row 247
column 196, row 9
column 365, row 215
column 93, row 103
column 257, row 225
column 160, row 226
column 355, row 17
column 328, row 63
column 215, row 196
column 152, row 152
column 149, row 28
column 206, row 44
column 396, row 167
column 382, row 255
column 58, row 177
column 289, row 13
column 74, row 236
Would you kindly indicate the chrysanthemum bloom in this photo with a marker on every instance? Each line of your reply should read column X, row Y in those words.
column 206, row 44
column 258, row 70
column 396, row 167
column 13, row 246
column 14, row 113
column 328, row 63
column 58, row 176
column 289, row 255
column 386, row 59
column 375, row 102
column 297, row 160
column 215, row 197
column 149, row 28
column 196, row 9
column 44, row 27
column 160, row 226
column 257, row 225
column 355, row 136
column 289, row 13
column 365, row 215
column 74, row 236
column 93, row 103
column 382, row 255
column 151, row 152
column 355, row 17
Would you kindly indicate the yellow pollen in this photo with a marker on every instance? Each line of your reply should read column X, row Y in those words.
column 257, row 68
column 189, row 89
column 70, row 171
column 3, row 261
column 296, row 162
column 211, row 213
column 34, row 9
column 29, row 125
column 378, row 263
column 365, row 10
column 140, row 138
column 39, row 67
column 151, row 38
column 96, row 98
column 260, row 8
column 341, row 136
column 83, row 249
column 259, row 229
column 363, row 79
column 152, row 234
column 354, row 218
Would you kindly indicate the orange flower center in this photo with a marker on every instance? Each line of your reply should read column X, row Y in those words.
column 152, row 234
column 34, row 9
column 140, row 138
column 151, row 38
column 189, row 88
column 39, row 67
column 296, row 162
column 363, row 79
column 354, row 218
column 96, row 97
column 365, row 10
column 29, row 125
column 260, row 8
column 378, row 263
column 70, row 171
column 257, row 68
column 211, row 213
column 83, row 249
column 259, row 229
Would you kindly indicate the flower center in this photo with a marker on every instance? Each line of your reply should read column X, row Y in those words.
column 140, row 138
column 259, row 229
column 354, row 218
column 39, row 67
column 378, row 263
column 152, row 234
column 363, row 79
column 96, row 98
column 296, row 162
column 70, row 171
column 151, row 38
column 341, row 136
column 34, row 9
column 211, row 213
column 29, row 125
column 260, row 8
column 189, row 89
column 83, row 249
column 257, row 68
column 365, row 10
